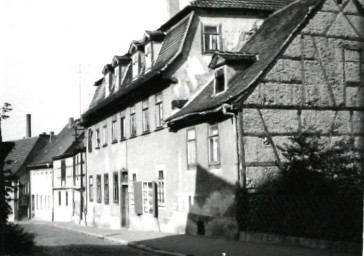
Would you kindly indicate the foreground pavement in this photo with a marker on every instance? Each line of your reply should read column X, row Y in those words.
column 159, row 243
column 53, row 241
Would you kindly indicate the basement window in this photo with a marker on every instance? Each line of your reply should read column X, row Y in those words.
column 219, row 82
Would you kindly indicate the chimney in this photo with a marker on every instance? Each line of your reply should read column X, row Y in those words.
column 172, row 7
column 51, row 136
column 70, row 122
column 28, row 131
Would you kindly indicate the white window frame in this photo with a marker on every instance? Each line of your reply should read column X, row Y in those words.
column 133, row 125
column 159, row 110
column 217, row 34
column 211, row 138
column 148, row 56
column 145, row 116
column 135, row 62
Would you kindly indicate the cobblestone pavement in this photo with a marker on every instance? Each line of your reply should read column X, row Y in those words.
column 52, row 241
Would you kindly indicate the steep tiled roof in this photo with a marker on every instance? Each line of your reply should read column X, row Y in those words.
column 170, row 50
column 58, row 146
column 269, row 5
column 20, row 153
column 267, row 43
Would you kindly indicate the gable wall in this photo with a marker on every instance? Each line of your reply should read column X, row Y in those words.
column 315, row 85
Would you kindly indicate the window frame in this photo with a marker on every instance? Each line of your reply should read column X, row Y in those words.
column 106, row 189
column 159, row 110
column 145, row 116
column 217, row 74
column 98, row 189
column 210, row 137
column 97, row 138
column 122, row 128
column 114, row 134
column 161, row 189
column 116, row 187
column 104, row 135
column 148, row 56
column 189, row 164
column 59, row 198
column 204, row 34
column 63, row 172
column 133, row 126
column 135, row 62
column 90, row 186
column 90, row 133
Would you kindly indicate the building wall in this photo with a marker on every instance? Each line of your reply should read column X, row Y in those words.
column 41, row 191
column 314, row 86
column 67, row 194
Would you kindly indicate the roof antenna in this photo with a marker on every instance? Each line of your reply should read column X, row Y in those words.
column 80, row 90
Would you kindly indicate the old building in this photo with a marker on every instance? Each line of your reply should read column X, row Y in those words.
column 143, row 175
column 22, row 152
column 46, row 168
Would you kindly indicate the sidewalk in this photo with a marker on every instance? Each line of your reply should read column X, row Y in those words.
column 180, row 245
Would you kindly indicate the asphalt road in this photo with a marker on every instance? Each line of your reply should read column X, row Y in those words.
column 52, row 241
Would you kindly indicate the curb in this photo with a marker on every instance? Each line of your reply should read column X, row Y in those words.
column 135, row 245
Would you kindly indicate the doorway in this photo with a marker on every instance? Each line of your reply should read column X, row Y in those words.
column 124, row 206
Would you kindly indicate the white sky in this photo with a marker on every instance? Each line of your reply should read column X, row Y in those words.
column 43, row 43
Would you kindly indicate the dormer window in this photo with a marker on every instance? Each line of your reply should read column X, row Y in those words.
column 219, row 82
column 211, row 38
column 136, row 64
column 117, row 76
column 148, row 56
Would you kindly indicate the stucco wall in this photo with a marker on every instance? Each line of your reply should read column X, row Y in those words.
column 314, row 86
column 41, row 186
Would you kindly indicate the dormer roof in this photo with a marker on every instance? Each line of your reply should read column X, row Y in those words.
column 99, row 82
column 120, row 60
column 156, row 36
column 231, row 58
column 136, row 46
column 107, row 68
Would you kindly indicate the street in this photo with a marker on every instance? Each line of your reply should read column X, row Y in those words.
column 53, row 241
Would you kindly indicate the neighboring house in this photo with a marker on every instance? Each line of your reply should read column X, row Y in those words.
column 143, row 175
column 303, row 74
column 42, row 173
column 23, row 152
column 68, row 183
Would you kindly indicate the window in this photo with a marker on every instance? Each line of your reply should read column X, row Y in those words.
column 159, row 110
column 132, row 122
column 104, row 137
column 122, row 128
column 211, row 38
column 97, row 138
column 219, row 81
column 191, row 147
column 59, row 198
column 41, row 202
column 106, row 188
column 113, row 130
column 161, row 193
column 116, row 187
column 98, row 184
column 91, row 188
column 36, row 202
column 213, row 141
column 145, row 106
column 33, row 202
column 89, row 144
column 63, row 173
column 116, row 76
column 135, row 63
column 66, row 198
column 148, row 56
column 74, row 170
column 148, row 198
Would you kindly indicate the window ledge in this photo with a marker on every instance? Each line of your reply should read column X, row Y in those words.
column 122, row 139
column 146, row 132
column 159, row 128
column 105, row 145
column 97, row 148
column 192, row 166
column 132, row 137
column 214, row 165
column 114, row 142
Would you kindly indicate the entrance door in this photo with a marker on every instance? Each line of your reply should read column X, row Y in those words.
column 124, row 206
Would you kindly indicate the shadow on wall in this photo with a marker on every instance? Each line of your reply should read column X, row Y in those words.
column 212, row 208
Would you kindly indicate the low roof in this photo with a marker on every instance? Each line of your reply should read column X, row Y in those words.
column 21, row 151
column 221, row 58
column 57, row 147
column 268, row 42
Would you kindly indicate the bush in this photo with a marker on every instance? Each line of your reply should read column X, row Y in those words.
column 16, row 240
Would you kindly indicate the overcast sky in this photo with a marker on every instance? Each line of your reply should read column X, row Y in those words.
column 43, row 44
